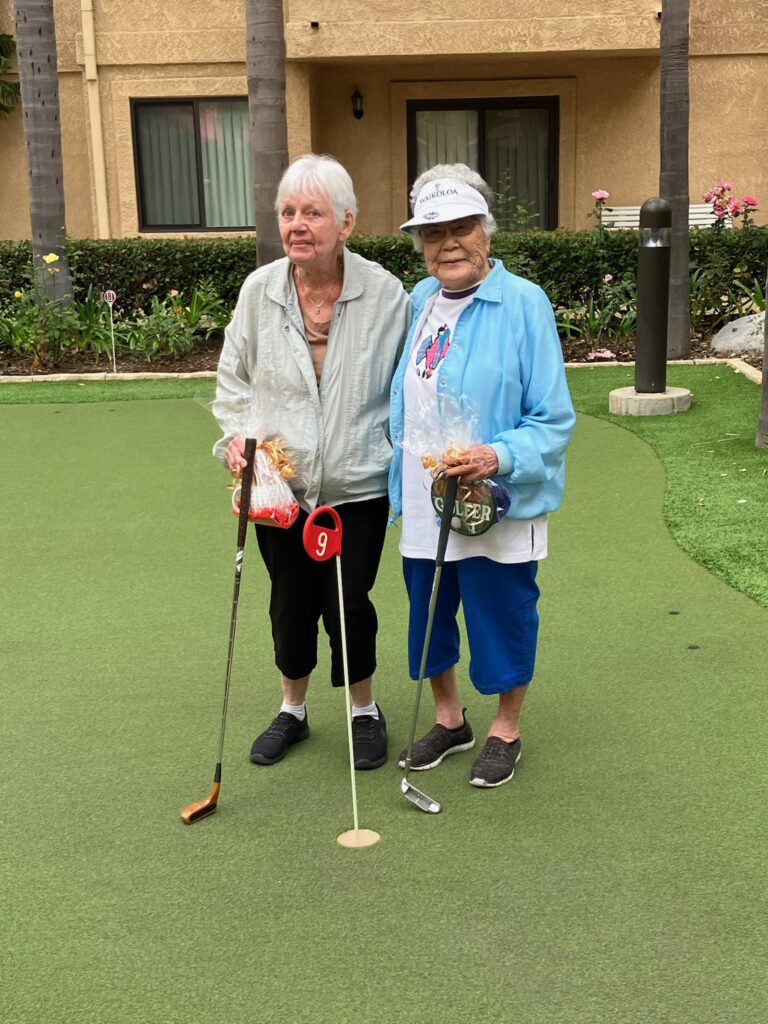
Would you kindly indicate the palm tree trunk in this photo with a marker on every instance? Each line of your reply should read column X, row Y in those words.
column 39, row 80
column 761, row 441
column 265, row 56
column 673, row 179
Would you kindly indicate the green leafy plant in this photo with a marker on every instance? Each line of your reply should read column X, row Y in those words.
column 206, row 313
column 94, row 333
column 41, row 328
column 753, row 294
column 513, row 213
column 160, row 332
column 610, row 311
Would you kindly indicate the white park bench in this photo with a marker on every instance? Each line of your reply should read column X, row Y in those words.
column 700, row 215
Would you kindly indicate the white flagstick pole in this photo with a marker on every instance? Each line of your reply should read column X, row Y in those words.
column 349, row 702
column 322, row 544
column 109, row 298
column 112, row 336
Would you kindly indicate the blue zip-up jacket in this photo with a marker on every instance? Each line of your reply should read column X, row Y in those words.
column 505, row 359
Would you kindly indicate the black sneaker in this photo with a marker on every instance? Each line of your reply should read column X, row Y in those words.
column 272, row 745
column 496, row 763
column 369, row 741
column 438, row 743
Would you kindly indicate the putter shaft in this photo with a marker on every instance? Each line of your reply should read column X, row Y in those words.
column 419, row 799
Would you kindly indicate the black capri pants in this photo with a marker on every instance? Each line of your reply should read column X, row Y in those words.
column 304, row 590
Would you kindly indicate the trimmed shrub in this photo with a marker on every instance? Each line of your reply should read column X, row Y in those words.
column 728, row 271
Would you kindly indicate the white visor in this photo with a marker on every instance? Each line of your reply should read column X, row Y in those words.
column 444, row 200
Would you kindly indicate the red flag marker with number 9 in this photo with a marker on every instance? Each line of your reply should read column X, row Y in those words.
column 322, row 543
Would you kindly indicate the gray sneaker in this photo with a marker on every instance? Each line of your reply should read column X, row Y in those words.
column 438, row 743
column 496, row 763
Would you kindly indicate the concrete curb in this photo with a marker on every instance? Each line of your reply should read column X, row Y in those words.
column 736, row 364
column 57, row 378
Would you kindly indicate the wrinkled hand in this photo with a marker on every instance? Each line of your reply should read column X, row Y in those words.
column 478, row 462
column 235, row 455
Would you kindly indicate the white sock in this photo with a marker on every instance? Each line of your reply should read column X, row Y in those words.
column 297, row 710
column 371, row 710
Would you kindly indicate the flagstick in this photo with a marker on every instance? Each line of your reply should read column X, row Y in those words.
column 349, row 703
column 112, row 336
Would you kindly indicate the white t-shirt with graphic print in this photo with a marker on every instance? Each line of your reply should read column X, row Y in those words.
column 511, row 540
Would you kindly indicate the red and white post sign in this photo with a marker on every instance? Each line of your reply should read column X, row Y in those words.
column 322, row 542
column 109, row 298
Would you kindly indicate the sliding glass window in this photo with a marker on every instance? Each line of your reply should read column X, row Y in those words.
column 512, row 143
column 194, row 167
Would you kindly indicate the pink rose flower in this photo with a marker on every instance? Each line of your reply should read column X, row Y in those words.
column 734, row 206
column 600, row 193
column 750, row 201
column 607, row 278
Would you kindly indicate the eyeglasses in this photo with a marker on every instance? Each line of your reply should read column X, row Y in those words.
column 456, row 228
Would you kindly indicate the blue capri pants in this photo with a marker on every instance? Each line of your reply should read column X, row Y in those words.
column 499, row 601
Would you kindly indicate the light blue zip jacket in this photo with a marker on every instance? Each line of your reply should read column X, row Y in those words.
column 505, row 359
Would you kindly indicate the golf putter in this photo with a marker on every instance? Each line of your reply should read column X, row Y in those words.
column 421, row 800
column 202, row 808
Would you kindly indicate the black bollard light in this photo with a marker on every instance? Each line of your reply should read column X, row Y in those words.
column 653, row 296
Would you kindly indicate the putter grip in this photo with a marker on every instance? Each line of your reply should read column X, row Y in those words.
column 245, row 491
column 449, row 500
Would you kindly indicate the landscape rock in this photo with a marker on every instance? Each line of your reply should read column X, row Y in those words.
column 740, row 337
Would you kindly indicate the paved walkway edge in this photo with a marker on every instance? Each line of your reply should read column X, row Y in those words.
column 750, row 372
column 737, row 364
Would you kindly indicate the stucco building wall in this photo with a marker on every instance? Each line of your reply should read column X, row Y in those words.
column 393, row 51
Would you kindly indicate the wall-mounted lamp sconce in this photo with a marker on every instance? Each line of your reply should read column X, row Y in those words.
column 357, row 104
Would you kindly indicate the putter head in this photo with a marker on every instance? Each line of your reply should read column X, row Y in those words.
column 421, row 800
column 201, row 808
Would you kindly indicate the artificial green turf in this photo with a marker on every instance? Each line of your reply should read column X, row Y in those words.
column 619, row 879
column 66, row 392
column 717, row 480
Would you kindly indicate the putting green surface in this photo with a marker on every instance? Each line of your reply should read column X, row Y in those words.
column 620, row 878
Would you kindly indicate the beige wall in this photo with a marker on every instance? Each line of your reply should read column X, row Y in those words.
column 403, row 28
column 395, row 50
column 595, row 137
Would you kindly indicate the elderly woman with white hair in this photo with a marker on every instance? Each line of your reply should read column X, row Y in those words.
column 483, row 346
column 316, row 337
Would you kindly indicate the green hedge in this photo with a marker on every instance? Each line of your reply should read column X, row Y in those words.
column 567, row 264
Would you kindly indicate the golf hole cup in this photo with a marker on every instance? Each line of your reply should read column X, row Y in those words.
column 322, row 543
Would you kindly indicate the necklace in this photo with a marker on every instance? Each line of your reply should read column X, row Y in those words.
column 316, row 304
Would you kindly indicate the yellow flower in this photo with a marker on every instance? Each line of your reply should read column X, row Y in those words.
column 51, row 258
column 18, row 295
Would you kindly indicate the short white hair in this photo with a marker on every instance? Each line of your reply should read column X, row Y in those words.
column 314, row 174
column 459, row 172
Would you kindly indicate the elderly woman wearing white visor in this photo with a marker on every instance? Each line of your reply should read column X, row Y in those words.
column 482, row 342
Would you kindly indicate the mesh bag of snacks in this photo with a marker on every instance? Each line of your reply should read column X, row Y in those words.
column 272, row 501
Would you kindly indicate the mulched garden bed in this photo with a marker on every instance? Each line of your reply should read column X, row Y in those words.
column 574, row 351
